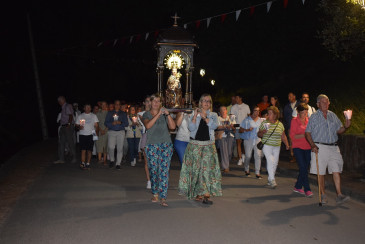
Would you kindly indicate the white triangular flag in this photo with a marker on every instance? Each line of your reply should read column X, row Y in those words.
column 115, row 42
column 303, row 1
column 131, row 39
column 208, row 22
column 268, row 5
column 238, row 12
column 185, row 26
column 147, row 34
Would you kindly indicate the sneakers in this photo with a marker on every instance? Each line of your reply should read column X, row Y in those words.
column 240, row 162
column 133, row 163
column 82, row 165
column 87, row 166
column 148, row 184
column 117, row 167
column 111, row 164
column 300, row 191
column 341, row 199
column 272, row 184
column 259, row 177
column 324, row 199
column 309, row 194
column 59, row 162
column 247, row 174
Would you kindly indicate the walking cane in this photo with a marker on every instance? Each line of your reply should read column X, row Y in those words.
column 319, row 186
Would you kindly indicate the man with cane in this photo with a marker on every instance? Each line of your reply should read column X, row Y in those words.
column 322, row 134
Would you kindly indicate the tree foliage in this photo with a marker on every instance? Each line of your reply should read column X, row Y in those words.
column 343, row 28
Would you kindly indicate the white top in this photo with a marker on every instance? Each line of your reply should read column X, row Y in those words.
column 90, row 120
column 311, row 110
column 241, row 111
column 227, row 121
column 183, row 133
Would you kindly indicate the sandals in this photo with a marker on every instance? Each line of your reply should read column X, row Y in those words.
column 198, row 198
column 154, row 198
column 207, row 201
column 163, row 203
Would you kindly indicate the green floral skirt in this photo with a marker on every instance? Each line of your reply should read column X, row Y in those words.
column 200, row 173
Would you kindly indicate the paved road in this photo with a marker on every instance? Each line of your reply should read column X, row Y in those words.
column 67, row 205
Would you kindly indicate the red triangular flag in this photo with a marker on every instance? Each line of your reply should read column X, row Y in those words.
column 197, row 23
column 252, row 10
column 223, row 17
column 156, row 33
column 285, row 3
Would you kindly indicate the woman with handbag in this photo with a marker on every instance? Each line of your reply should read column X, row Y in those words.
column 272, row 133
column 200, row 175
column 225, row 137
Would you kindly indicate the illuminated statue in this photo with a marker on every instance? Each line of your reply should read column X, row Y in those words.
column 173, row 91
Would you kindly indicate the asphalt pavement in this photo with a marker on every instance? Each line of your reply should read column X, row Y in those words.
column 68, row 205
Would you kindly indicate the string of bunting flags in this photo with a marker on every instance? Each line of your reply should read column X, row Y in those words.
column 197, row 23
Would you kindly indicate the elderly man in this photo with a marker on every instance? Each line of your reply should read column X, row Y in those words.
column 66, row 132
column 322, row 134
column 116, row 121
column 305, row 99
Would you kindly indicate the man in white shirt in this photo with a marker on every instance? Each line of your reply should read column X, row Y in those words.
column 305, row 99
column 88, row 125
column 240, row 110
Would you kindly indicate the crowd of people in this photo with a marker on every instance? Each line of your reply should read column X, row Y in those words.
column 118, row 131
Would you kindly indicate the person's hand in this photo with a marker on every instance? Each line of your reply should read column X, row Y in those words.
column 102, row 132
column 315, row 149
column 165, row 111
column 81, row 127
column 287, row 147
column 347, row 123
column 250, row 129
column 264, row 131
column 196, row 112
column 203, row 114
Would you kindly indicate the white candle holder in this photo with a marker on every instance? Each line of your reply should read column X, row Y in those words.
column 267, row 126
column 116, row 117
column 82, row 122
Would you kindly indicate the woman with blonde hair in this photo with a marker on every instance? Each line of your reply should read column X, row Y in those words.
column 159, row 148
column 272, row 133
column 200, row 175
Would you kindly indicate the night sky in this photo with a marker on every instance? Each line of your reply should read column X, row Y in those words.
column 271, row 53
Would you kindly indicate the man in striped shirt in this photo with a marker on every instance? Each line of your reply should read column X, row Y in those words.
column 322, row 134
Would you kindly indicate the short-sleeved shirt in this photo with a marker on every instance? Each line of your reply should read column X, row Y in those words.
column 275, row 139
column 67, row 110
column 324, row 130
column 297, row 128
column 247, row 124
column 241, row 111
column 90, row 120
column 159, row 132
column 226, row 121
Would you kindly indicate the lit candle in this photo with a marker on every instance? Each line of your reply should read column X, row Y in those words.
column 115, row 116
column 82, row 122
column 134, row 119
column 348, row 114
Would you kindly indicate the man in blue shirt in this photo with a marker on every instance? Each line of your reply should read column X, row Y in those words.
column 116, row 121
column 322, row 133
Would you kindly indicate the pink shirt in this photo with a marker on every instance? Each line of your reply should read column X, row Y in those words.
column 297, row 128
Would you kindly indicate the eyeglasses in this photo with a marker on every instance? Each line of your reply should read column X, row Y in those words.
column 258, row 110
column 206, row 101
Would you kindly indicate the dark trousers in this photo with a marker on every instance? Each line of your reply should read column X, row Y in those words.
column 133, row 147
column 66, row 136
column 303, row 158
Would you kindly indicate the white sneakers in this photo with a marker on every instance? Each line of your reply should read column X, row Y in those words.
column 133, row 163
column 148, row 185
column 242, row 159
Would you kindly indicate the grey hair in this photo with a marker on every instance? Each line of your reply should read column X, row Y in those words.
column 322, row 96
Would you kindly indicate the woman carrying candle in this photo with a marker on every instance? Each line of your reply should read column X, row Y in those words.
column 272, row 138
column 133, row 134
column 159, row 148
column 302, row 149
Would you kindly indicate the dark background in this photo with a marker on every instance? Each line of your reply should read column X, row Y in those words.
column 267, row 53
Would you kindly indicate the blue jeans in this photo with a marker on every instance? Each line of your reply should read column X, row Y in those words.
column 303, row 158
column 133, row 147
column 180, row 147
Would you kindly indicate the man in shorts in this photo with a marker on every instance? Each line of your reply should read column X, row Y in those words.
column 322, row 134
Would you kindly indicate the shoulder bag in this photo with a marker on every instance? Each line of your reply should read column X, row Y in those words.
column 261, row 144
